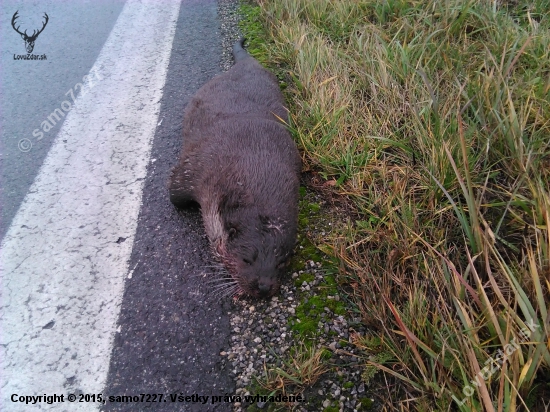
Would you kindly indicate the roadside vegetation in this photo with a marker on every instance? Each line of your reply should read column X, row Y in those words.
column 430, row 120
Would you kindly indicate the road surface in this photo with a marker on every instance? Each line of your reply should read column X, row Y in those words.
column 102, row 279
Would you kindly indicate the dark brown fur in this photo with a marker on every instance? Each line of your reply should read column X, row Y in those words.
column 241, row 165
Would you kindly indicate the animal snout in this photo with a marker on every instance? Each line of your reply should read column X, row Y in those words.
column 266, row 287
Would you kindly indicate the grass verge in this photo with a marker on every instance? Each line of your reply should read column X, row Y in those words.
column 433, row 119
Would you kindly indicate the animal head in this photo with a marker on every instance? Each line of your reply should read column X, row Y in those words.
column 29, row 40
column 255, row 249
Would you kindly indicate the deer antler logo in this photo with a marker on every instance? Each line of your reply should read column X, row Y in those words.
column 29, row 40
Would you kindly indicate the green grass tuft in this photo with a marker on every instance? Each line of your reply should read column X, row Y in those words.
column 433, row 119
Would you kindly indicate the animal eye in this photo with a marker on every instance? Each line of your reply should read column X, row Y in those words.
column 282, row 264
column 250, row 259
column 232, row 232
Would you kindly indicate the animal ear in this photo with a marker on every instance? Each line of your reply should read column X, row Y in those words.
column 269, row 224
column 232, row 233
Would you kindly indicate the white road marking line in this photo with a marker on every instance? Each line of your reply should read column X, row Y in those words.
column 62, row 270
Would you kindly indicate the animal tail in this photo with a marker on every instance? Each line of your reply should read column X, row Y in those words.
column 239, row 53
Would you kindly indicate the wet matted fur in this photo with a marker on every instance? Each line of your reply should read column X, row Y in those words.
column 241, row 165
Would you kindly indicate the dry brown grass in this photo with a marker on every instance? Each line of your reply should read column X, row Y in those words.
column 302, row 370
column 434, row 119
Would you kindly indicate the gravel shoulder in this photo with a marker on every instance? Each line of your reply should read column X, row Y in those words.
column 265, row 338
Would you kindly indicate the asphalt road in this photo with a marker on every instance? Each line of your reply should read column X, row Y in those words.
column 172, row 330
column 102, row 279
column 32, row 90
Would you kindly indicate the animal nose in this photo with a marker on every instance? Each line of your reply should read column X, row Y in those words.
column 264, row 288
